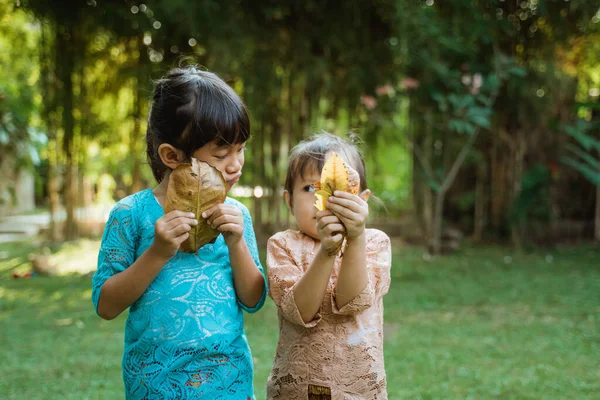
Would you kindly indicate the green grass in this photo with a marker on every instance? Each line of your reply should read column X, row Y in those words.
column 474, row 325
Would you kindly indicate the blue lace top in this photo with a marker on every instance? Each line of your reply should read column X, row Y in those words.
column 184, row 338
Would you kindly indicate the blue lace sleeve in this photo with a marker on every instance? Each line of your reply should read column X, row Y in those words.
column 117, row 249
column 250, row 238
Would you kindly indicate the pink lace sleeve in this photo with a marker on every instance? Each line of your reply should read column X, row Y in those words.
column 379, row 260
column 283, row 276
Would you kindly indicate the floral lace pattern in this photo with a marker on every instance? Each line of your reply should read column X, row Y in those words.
column 340, row 349
column 184, row 337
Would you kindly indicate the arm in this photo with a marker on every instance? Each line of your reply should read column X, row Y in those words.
column 311, row 287
column 285, row 276
column 352, row 212
column 378, row 264
column 248, row 276
column 248, row 281
column 120, row 281
column 353, row 277
column 123, row 289
column 299, row 294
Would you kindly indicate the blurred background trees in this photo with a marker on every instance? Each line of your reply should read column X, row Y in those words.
column 478, row 117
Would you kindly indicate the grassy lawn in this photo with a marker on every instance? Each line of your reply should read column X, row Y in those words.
column 482, row 324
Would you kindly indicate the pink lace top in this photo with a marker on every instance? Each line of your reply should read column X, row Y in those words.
column 340, row 349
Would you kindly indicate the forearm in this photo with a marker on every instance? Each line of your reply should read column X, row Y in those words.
column 248, row 281
column 311, row 288
column 123, row 289
column 353, row 275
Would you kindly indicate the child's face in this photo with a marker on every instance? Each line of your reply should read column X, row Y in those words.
column 302, row 202
column 227, row 159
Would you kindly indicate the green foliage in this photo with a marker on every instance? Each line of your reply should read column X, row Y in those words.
column 18, row 101
column 584, row 156
column 533, row 201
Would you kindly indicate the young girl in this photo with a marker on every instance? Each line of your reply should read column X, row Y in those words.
column 184, row 337
column 330, row 307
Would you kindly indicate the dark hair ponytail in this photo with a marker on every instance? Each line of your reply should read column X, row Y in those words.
column 189, row 109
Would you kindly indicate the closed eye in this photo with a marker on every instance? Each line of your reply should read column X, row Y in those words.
column 221, row 157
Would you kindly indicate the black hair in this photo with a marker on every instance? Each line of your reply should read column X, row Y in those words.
column 191, row 108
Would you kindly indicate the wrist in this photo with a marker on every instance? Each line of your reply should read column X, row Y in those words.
column 236, row 245
column 158, row 255
column 325, row 253
column 358, row 238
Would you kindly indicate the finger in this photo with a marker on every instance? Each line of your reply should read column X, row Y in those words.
column 337, row 238
column 355, row 204
column 177, row 214
column 349, row 196
column 174, row 223
column 221, row 209
column 208, row 213
column 343, row 212
column 330, row 219
column 335, row 228
column 179, row 230
column 182, row 238
column 225, row 219
column 324, row 213
column 232, row 228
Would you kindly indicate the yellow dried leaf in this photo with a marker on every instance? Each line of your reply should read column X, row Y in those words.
column 196, row 187
column 336, row 175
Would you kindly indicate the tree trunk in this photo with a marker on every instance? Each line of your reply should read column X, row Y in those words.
column 597, row 222
column 275, row 198
column 518, row 227
column 480, row 204
column 258, row 148
column 441, row 193
column 53, row 190
column 436, row 239
column 421, row 191
column 65, row 64
column 48, row 106
column 136, row 137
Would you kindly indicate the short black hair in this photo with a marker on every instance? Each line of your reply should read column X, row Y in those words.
column 191, row 108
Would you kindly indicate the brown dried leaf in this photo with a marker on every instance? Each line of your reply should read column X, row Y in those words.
column 196, row 187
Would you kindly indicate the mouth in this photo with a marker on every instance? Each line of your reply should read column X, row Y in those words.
column 235, row 180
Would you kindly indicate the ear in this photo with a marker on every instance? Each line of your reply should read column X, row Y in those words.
column 288, row 200
column 170, row 156
column 365, row 194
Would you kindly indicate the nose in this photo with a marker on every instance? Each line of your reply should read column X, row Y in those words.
column 234, row 166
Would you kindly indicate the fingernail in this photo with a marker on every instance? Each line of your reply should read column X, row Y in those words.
column 192, row 215
column 203, row 215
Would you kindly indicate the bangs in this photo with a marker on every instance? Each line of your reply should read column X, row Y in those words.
column 310, row 155
column 306, row 163
column 217, row 115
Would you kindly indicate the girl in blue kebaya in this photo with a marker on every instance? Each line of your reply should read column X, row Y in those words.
column 184, row 337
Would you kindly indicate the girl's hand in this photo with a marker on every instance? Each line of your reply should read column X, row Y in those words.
column 351, row 210
column 329, row 229
column 229, row 220
column 170, row 231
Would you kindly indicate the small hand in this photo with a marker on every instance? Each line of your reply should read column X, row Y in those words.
column 170, row 231
column 229, row 220
column 352, row 211
column 329, row 229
